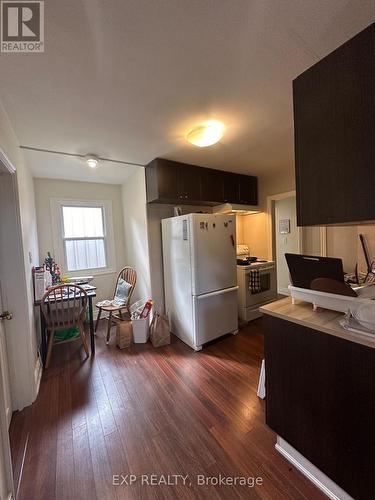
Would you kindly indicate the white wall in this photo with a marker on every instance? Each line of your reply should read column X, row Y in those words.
column 369, row 233
column 240, row 219
column 45, row 189
column 311, row 244
column 21, row 331
column 135, row 228
column 344, row 242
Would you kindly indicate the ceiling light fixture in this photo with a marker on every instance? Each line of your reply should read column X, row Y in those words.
column 206, row 134
column 92, row 160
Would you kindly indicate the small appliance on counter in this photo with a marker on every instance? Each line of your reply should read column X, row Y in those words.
column 256, row 280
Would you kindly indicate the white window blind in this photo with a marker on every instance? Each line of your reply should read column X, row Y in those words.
column 84, row 237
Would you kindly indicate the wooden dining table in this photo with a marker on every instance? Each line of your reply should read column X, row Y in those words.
column 91, row 293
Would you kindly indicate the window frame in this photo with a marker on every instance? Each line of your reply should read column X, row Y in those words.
column 58, row 236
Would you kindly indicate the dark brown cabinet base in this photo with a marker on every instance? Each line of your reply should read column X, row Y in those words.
column 321, row 399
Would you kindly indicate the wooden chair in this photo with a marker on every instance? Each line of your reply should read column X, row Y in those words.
column 115, row 313
column 63, row 307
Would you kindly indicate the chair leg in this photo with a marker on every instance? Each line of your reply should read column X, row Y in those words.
column 50, row 345
column 97, row 319
column 83, row 338
column 109, row 327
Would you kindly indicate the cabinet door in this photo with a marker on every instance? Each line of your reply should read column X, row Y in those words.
column 166, row 178
column 248, row 187
column 320, row 399
column 212, row 185
column 334, row 127
column 189, row 185
column 231, row 187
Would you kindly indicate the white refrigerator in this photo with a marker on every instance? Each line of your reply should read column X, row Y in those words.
column 200, row 279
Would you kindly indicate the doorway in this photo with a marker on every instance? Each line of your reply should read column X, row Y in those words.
column 287, row 239
column 284, row 236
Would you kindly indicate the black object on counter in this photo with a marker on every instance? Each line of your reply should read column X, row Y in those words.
column 305, row 268
column 247, row 261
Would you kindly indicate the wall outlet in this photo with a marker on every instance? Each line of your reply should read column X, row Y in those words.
column 30, row 257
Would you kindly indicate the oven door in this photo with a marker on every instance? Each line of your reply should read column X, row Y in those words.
column 268, row 291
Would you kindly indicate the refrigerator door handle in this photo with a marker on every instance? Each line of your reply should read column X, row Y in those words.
column 217, row 292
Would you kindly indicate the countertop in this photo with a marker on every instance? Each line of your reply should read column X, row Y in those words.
column 322, row 320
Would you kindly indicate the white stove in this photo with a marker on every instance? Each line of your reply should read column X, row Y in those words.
column 256, row 284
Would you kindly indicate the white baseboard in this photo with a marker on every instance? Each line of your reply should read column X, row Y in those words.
column 283, row 291
column 316, row 476
column 8, row 415
column 38, row 370
column 261, row 392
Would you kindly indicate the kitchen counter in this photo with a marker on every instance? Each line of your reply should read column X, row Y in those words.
column 322, row 320
column 320, row 397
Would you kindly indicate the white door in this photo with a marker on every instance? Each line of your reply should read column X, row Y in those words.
column 4, row 365
column 215, row 314
column 6, row 475
column 213, row 252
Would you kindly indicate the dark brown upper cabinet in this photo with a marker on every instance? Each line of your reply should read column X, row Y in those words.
column 231, row 187
column 212, row 186
column 188, row 183
column 174, row 182
column 162, row 181
column 334, row 124
column 170, row 181
column 248, row 186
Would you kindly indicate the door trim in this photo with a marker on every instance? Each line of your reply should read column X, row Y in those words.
column 270, row 219
column 6, row 166
column 5, row 448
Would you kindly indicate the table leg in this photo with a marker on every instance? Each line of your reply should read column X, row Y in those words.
column 91, row 319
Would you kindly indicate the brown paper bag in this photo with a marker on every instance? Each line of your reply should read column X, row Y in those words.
column 124, row 334
column 159, row 330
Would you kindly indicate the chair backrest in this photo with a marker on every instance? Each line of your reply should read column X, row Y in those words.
column 130, row 275
column 64, row 306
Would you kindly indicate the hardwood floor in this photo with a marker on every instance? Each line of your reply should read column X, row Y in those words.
column 145, row 411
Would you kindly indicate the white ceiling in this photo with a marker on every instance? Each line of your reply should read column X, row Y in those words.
column 126, row 80
column 73, row 168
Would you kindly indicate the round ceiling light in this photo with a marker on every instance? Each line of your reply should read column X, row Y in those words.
column 92, row 160
column 207, row 134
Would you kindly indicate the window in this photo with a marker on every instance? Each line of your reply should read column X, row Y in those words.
column 83, row 236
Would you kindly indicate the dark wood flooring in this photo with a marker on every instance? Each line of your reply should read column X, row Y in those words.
column 144, row 410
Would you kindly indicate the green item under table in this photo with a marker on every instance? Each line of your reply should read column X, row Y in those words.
column 44, row 340
column 66, row 334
